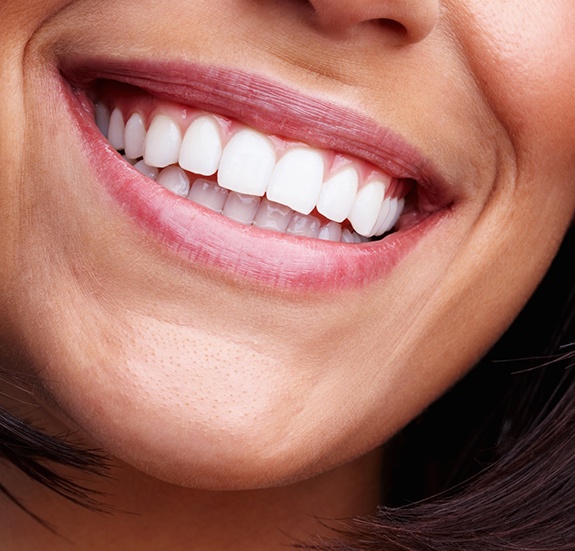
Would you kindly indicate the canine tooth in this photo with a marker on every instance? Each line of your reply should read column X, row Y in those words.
column 116, row 129
column 272, row 216
column 163, row 141
column 247, row 163
column 134, row 137
column 338, row 195
column 330, row 232
column 149, row 171
column 208, row 194
column 102, row 117
column 175, row 180
column 296, row 180
column 366, row 207
column 303, row 225
column 346, row 236
column 201, row 149
column 241, row 208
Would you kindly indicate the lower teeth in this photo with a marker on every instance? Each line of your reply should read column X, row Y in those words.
column 246, row 209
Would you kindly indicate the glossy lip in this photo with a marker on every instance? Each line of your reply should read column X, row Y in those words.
column 213, row 241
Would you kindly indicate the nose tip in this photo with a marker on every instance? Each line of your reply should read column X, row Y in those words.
column 409, row 20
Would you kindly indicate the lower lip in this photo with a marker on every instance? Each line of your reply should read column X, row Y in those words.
column 216, row 243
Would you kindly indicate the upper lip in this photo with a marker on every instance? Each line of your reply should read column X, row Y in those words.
column 274, row 109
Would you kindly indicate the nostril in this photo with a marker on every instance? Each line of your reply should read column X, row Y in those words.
column 394, row 28
column 393, row 25
column 405, row 21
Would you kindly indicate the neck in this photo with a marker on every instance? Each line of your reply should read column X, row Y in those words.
column 150, row 514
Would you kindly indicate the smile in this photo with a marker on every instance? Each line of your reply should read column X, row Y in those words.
column 258, row 173
column 249, row 177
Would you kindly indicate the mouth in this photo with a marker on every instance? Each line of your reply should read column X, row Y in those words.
column 252, row 179
column 247, row 176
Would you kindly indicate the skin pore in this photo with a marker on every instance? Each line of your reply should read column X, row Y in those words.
column 225, row 401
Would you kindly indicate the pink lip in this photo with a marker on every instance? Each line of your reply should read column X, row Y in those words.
column 212, row 241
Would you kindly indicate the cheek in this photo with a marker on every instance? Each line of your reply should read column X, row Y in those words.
column 523, row 57
column 20, row 18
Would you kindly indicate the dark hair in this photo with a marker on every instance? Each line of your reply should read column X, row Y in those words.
column 502, row 480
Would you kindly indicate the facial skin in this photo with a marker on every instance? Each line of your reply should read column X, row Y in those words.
column 209, row 379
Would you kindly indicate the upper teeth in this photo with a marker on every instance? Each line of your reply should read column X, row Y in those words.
column 249, row 165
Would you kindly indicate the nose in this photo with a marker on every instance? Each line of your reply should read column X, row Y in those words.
column 409, row 20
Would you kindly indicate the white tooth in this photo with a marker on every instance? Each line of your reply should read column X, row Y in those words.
column 396, row 206
column 366, row 207
column 163, row 141
column 400, row 205
column 273, row 216
column 116, row 130
column 202, row 147
column 330, row 232
column 389, row 219
column 247, row 163
column 306, row 226
column 175, row 180
column 149, row 171
column 134, row 137
column 346, row 236
column 208, row 194
column 382, row 216
column 296, row 180
column 241, row 208
column 356, row 237
column 131, row 161
column 102, row 118
column 338, row 195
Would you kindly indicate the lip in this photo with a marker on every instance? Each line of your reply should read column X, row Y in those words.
column 212, row 241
